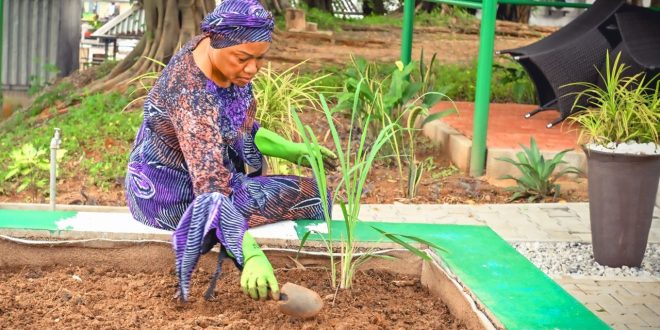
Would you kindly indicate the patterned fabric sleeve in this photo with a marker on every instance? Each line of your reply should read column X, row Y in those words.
column 250, row 152
column 209, row 214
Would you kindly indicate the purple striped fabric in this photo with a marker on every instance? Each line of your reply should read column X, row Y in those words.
column 236, row 22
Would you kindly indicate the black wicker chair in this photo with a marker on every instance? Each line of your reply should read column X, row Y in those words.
column 569, row 55
column 640, row 44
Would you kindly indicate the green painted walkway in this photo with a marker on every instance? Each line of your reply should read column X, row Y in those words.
column 35, row 220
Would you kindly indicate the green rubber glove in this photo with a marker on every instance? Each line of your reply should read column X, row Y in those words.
column 258, row 275
column 274, row 145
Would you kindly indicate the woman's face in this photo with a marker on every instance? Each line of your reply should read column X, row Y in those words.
column 239, row 64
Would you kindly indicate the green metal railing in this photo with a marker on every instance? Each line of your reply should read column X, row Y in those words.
column 484, row 65
column 477, row 4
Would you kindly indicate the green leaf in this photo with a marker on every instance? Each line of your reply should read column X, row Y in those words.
column 516, row 196
column 11, row 173
column 409, row 92
column 302, row 242
column 23, row 185
column 407, row 246
column 438, row 115
column 383, row 256
column 423, row 241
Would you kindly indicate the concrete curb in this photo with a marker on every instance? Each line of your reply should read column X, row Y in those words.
column 459, row 149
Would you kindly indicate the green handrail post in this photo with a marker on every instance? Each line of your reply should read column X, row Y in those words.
column 482, row 97
column 407, row 32
column 463, row 3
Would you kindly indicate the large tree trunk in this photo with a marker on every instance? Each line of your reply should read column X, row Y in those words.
column 169, row 24
column 373, row 7
column 325, row 5
column 276, row 6
column 514, row 13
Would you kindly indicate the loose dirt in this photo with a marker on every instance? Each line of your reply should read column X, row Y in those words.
column 78, row 288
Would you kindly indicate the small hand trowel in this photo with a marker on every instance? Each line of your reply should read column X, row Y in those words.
column 299, row 301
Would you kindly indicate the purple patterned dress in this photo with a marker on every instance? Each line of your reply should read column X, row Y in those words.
column 187, row 169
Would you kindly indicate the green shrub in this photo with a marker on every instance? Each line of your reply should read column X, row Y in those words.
column 29, row 168
column 96, row 134
column 626, row 109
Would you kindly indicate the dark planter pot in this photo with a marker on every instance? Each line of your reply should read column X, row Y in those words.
column 622, row 190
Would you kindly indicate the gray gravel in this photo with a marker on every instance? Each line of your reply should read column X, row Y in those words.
column 630, row 147
column 576, row 259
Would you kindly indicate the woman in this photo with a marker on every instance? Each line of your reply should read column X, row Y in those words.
column 186, row 170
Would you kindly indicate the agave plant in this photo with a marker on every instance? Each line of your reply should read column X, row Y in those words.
column 538, row 178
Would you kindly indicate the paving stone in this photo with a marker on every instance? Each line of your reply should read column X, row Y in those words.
column 631, row 319
column 583, row 237
column 653, row 303
column 560, row 211
column 618, row 326
column 639, row 327
column 630, row 300
column 563, row 236
column 648, row 316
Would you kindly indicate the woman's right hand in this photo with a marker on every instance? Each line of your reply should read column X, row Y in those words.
column 257, row 277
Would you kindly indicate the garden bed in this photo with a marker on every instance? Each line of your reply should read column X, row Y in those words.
column 441, row 183
column 133, row 286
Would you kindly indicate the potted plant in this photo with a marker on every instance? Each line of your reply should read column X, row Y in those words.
column 620, row 130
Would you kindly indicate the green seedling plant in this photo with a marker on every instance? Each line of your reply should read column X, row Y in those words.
column 414, row 111
column 401, row 98
column 30, row 167
column 38, row 83
column 538, row 179
column 445, row 173
column 355, row 163
column 415, row 167
column 626, row 109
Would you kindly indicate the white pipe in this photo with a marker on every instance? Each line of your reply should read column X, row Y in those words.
column 54, row 145
column 91, row 240
column 77, row 241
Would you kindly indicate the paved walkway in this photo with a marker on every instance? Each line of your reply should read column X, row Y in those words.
column 508, row 127
column 623, row 303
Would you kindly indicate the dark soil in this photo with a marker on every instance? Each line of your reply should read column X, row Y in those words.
column 118, row 289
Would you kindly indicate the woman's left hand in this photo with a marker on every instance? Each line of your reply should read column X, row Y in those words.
column 329, row 158
column 274, row 145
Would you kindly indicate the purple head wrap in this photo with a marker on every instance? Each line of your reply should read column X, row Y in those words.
column 236, row 22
